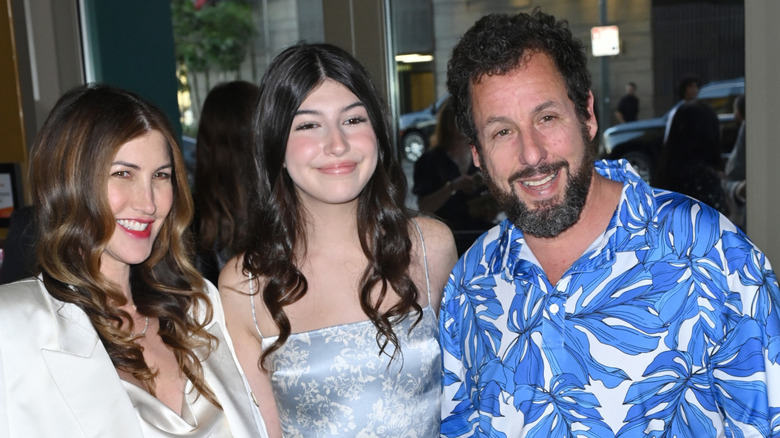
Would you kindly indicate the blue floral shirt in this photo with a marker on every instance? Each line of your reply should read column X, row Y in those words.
column 667, row 326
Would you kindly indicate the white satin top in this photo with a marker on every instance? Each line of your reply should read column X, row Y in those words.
column 57, row 380
column 199, row 417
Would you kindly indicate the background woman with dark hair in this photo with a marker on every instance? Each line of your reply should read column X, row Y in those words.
column 691, row 160
column 448, row 185
column 116, row 336
column 332, row 308
column 222, row 173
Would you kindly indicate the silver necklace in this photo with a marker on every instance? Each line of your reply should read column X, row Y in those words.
column 143, row 332
column 146, row 326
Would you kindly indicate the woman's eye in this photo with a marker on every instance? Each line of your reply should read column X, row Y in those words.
column 162, row 175
column 355, row 120
column 121, row 174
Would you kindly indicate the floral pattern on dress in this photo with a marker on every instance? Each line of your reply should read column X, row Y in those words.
column 333, row 382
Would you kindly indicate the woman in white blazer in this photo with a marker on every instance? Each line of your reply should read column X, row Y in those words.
column 119, row 335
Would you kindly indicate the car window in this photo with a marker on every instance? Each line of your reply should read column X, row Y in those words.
column 721, row 96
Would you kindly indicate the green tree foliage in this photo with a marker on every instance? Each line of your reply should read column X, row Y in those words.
column 214, row 38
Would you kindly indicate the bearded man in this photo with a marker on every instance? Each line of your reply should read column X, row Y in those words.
column 601, row 307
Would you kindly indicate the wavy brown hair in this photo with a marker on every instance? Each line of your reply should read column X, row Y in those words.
column 222, row 171
column 69, row 171
column 277, row 218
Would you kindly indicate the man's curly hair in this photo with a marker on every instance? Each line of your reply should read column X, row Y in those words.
column 498, row 44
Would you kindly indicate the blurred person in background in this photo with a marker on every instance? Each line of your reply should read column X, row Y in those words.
column 691, row 157
column 19, row 251
column 222, row 173
column 628, row 106
column 687, row 90
column 735, row 173
column 449, row 186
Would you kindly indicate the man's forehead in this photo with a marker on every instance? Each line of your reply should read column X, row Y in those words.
column 521, row 63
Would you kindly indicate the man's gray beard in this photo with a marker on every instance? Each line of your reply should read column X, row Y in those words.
column 551, row 217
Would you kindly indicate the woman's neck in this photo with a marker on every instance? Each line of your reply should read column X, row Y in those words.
column 118, row 274
column 331, row 225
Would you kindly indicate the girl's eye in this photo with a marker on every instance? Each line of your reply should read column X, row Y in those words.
column 162, row 175
column 121, row 174
column 305, row 126
column 355, row 120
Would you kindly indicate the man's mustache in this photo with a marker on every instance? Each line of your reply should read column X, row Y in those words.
column 542, row 169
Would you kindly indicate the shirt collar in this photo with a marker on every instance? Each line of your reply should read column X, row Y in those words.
column 632, row 228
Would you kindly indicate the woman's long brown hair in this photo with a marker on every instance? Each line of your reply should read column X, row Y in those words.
column 69, row 171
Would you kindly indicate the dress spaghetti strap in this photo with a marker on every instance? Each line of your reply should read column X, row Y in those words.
column 425, row 260
column 425, row 265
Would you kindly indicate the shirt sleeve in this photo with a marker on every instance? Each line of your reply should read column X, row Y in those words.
column 457, row 410
column 746, row 363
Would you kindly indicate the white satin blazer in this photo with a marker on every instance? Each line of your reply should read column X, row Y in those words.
column 57, row 380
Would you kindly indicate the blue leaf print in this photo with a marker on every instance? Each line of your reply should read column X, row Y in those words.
column 523, row 318
column 570, row 405
column 775, row 413
column 767, row 313
column 457, row 423
column 495, row 372
column 591, row 316
column 490, row 432
column 743, row 258
column 662, row 396
column 736, row 359
column 485, row 309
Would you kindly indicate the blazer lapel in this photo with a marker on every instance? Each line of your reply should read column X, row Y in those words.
column 86, row 378
column 225, row 379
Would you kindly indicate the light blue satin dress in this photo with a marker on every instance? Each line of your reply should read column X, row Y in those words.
column 332, row 382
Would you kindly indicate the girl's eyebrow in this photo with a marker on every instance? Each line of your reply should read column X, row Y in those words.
column 315, row 112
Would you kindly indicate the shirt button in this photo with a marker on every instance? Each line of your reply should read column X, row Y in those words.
column 554, row 308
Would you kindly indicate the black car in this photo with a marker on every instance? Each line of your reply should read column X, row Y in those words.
column 640, row 142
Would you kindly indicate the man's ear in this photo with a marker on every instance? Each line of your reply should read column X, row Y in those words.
column 475, row 156
column 591, row 123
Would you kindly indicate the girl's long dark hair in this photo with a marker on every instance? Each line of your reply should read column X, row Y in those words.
column 277, row 228
column 69, row 170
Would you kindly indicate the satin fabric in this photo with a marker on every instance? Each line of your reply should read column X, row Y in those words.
column 56, row 378
column 199, row 417
column 333, row 382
